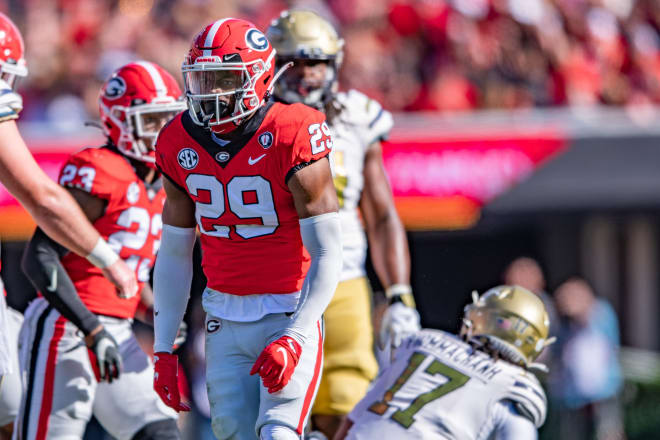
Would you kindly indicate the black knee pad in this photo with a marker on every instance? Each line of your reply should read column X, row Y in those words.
column 159, row 430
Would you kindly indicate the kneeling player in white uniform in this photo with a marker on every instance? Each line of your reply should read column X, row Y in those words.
column 478, row 385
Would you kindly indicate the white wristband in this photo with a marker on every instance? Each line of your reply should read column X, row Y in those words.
column 397, row 290
column 102, row 255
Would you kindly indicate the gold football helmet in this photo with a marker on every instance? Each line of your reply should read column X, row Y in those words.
column 301, row 36
column 512, row 320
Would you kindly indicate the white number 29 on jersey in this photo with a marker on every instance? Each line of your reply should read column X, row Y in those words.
column 318, row 131
column 263, row 208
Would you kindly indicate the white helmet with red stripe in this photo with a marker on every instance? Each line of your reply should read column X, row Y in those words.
column 228, row 74
column 134, row 103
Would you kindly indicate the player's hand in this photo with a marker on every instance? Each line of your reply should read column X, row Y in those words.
column 11, row 102
column 181, row 336
column 105, row 353
column 123, row 277
column 399, row 322
column 166, row 383
column 276, row 363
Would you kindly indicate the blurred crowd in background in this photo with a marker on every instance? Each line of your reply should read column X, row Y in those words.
column 411, row 55
column 445, row 55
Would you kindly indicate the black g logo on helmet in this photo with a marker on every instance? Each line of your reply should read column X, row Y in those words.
column 115, row 88
column 256, row 40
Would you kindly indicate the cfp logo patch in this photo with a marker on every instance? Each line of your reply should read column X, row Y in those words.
column 256, row 40
column 116, row 88
column 213, row 325
column 187, row 158
column 265, row 140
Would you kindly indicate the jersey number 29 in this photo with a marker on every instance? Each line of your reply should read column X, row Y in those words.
column 261, row 206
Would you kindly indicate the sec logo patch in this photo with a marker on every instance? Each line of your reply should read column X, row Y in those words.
column 187, row 158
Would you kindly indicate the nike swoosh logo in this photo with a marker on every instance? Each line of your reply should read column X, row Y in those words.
column 286, row 360
column 53, row 281
column 253, row 161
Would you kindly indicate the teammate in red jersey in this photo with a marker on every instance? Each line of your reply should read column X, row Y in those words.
column 77, row 336
column 50, row 206
column 253, row 176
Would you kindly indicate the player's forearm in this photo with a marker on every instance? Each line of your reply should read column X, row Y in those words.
column 41, row 263
column 62, row 219
column 145, row 309
column 389, row 249
column 341, row 433
column 49, row 204
column 321, row 236
column 172, row 280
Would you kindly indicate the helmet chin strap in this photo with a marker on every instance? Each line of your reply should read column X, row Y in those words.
column 95, row 124
column 206, row 120
column 279, row 73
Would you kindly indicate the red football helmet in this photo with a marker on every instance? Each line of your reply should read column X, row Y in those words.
column 134, row 103
column 228, row 74
column 12, row 63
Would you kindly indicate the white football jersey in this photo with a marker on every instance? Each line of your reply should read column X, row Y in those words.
column 5, row 360
column 439, row 387
column 361, row 122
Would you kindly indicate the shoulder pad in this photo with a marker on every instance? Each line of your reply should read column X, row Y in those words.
column 168, row 134
column 11, row 103
column 372, row 120
column 96, row 171
column 528, row 397
column 288, row 120
column 104, row 160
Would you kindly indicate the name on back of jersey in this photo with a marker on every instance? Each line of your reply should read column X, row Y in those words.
column 473, row 362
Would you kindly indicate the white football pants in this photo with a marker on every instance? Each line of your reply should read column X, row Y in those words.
column 240, row 405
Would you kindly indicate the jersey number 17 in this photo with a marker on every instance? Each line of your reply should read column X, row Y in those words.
column 404, row 417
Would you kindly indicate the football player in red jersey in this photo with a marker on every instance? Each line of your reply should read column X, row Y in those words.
column 50, row 205
column 79, row 333
column 253, row 176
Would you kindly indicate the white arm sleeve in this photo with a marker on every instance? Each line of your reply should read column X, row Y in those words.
column 321, row 236
column 509, row 424
column 172, row 279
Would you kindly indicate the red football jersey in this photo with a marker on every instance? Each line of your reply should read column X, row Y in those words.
column 131, row 224
column 250, row 234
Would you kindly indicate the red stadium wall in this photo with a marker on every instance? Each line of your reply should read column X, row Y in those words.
column 439, row 181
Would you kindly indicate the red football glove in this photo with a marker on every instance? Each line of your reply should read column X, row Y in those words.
column 166, row 381
column 276, row 363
